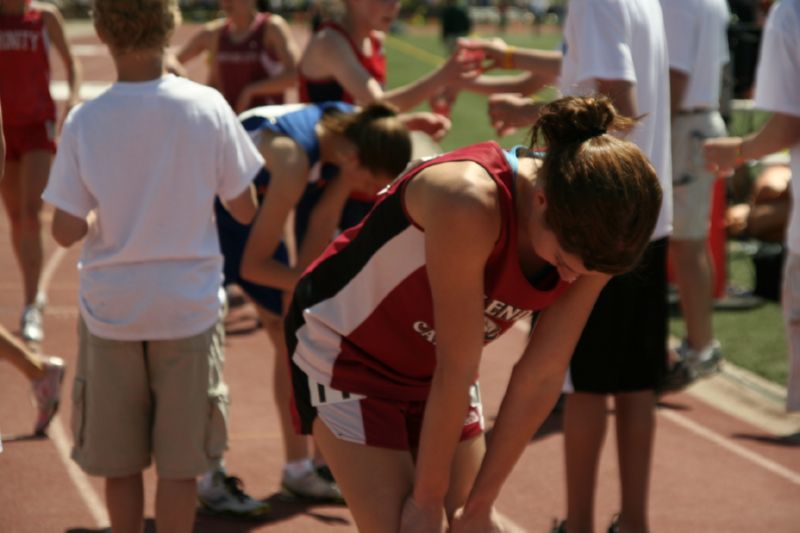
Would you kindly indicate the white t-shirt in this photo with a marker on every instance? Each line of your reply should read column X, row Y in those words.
column 147, row 159
column 624, row 40
column 778, row 87
column 697, row 45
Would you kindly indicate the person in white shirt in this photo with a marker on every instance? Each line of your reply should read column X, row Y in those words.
column 698, row 50
column 617, row 48
column 135, row 179
column 777, row 82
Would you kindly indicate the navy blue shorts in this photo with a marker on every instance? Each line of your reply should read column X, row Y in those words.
column 232, row 239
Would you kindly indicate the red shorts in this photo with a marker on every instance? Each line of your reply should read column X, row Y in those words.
column 371, row 421
column 23, row 139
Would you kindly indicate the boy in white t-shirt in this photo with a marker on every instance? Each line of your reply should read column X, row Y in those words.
column 778, row 91
column 135, row 176
column 698, row 50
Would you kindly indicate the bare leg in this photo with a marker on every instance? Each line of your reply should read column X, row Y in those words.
column 693, row 275
column 21, row 357
column 635, row 433
column 584, row 430
column 21, row 190
column 175, row 505
column 374, row 481
column 125, row 501
column 295, row 446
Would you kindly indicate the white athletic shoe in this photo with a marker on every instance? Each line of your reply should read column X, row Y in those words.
column 224, row 494
column 703, row 362
column 691, row 366
column 30, row 324
column 311, row 486
column 47, row 392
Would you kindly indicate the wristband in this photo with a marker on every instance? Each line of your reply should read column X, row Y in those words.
column 508, row 58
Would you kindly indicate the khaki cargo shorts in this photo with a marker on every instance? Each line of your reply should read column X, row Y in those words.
column 137, row 400
column 692, row 184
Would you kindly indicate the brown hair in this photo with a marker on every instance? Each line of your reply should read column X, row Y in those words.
column 131, row 25
column 383, row 142
column 603, row 195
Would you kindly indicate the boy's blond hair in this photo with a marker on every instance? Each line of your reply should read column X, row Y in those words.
column 131, row 25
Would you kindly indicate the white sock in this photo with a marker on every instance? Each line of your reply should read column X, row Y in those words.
column 297, row 469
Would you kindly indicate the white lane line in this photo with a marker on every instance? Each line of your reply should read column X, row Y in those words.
column 94, row 503
column 89, row 89
column 91, row 499
column 736, row 449
column 90, row 50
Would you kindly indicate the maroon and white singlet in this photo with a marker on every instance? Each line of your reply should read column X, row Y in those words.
column 25, row 70
column 362, row 316
column 241, row 63
column 329, row 89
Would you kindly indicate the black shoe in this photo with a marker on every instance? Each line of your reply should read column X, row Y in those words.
column 614, row 526
column 559, row 527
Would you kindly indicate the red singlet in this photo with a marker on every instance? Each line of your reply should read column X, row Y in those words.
column 329, row 89
column 241, row 63
column 25, row 70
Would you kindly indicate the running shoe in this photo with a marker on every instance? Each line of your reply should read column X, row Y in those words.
column 613, row 527
column 311, row 487
column 47, row 392
column 325, row 473
column 224, row 495
column 702, row 363
column 30, row 324
column 691, row 366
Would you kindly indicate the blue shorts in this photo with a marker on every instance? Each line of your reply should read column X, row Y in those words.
column 232, row 239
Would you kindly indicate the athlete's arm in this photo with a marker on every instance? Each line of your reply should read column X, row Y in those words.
column 243, row 207
column 277, row 37
column 55, row 31
column 544, row 63
column 200, row 42
column 323, row 221
column 329, row 55
column 532, row 391
column 456, row 205
column 288, row 166
column 724, row 154
column 509, row 112
column 525, row 83
column 204, row 40
column 68, row 229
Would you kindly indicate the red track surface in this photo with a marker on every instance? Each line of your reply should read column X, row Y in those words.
column 712, row 472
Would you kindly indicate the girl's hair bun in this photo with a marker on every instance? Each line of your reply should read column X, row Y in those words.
column 577, row 119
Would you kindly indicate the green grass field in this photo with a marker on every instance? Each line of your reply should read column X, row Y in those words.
column 753, row 339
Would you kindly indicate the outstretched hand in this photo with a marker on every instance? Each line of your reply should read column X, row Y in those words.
column 509, row 112
column 434, row 124
column 723, row 155
column 490, row 53
column 462, row 66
